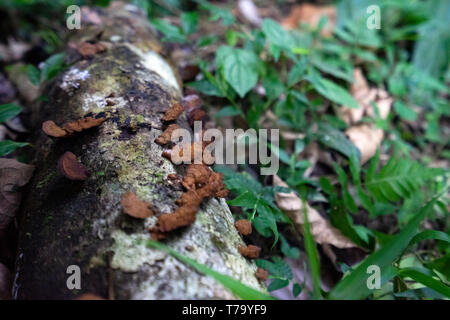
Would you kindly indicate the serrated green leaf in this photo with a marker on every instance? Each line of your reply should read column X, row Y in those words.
column 277, row 268
column 240, row 68
column 276, row 34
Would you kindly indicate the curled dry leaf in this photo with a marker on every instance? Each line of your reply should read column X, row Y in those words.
column 367, row 138
column 365, row 95
column 173, row 112
column 383, row 101
column 13, row 175
column 243, row 226
column 250, row 251
column 322, row 230
column 311, row 14
column 69, row 166
column 135, row 207
column 250, row 12
column 261, row 274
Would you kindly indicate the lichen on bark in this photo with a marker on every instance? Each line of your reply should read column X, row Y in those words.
column 81, row 223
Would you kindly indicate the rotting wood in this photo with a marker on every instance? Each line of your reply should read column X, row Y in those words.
column 82, row 223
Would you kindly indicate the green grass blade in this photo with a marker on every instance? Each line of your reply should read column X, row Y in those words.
column 426, row 280
column 354, row 286
column 237, row 288
column 313, row 256
column 430, row 234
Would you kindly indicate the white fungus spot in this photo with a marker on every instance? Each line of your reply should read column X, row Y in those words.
column 72, row 78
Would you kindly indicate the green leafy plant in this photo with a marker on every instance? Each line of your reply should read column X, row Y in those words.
column 7, row 112
column 256, row 201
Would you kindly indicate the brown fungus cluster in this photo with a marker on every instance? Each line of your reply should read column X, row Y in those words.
column 244, row 227
column 53, row 130
column 261, row 274
column 250, row 251
column 165, row 137
column 135, row 207
column 173, row 112
column 88, row 50
column 200, row 181
column 69, row 166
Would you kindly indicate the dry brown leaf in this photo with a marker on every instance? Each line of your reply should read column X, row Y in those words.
column 13, row 175
column 249, row 11
column 365, row 95
column 360, row 91
column 383, row 102
column 367, row 138
column 311, row 15
column 322, row 230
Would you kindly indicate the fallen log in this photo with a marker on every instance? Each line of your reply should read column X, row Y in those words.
column 72, row 220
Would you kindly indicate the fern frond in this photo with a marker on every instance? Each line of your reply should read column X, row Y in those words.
column 398, row 179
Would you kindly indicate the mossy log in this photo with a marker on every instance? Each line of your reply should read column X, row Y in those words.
column 81, row 223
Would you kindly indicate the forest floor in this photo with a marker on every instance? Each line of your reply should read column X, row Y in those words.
column 363, row 119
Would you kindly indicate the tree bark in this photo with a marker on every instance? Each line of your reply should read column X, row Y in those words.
column 81, row 223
